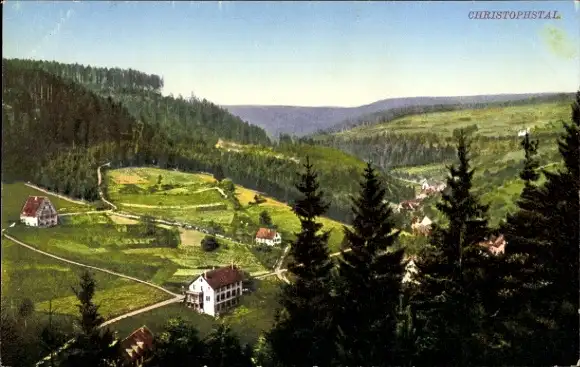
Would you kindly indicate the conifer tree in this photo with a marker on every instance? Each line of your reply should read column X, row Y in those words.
column 223, row 349
column 92, row 346
column 545, row 234
column 521, row 276
column 452, row 272
column 304, row 323
column 369, row 280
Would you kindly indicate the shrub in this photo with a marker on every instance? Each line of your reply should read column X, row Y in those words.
column 209, row 243
column 130, row 189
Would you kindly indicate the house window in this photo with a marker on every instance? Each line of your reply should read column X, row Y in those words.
column 207, row 298
column 228, row 294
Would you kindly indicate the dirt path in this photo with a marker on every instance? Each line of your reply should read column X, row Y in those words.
column 83, row 213
column 141, row 310
column 171, row 206
column 99, row 179
column 278, row 272
column 219, row 189
column 88, row 266
column 57, row 195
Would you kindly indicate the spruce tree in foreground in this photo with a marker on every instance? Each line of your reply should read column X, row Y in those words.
column 223, row 349
column 178, row 345
column 303, row 333
column 522, row 276
column 450, row 304
column 92, row 346
column 545, row 232
column 369, row 281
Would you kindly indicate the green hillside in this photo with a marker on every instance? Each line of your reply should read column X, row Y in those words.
column 420, row 146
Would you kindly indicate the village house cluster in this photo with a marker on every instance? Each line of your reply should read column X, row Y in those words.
column 427, row 189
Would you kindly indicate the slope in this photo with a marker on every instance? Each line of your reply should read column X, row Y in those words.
column 141, row 94
column 419, row 146
column 300, row 121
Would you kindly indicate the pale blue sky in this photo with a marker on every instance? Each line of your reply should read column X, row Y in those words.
column 308, row 53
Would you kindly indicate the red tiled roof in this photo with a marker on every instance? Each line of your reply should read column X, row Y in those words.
column 265, row 233
column 223, row 276
column 32, row 205
column 138, row 343
column 495, row 243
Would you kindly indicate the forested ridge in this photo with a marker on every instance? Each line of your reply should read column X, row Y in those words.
column 390, row 150
column 141, row 94
column 60, row 131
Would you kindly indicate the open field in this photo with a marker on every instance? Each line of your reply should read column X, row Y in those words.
column 14, row 196
column 493, row 121
column 152, row 186
column 161, row 258
column 27, row 274
column 254, row 315
column 288, row 224
column 281, row 213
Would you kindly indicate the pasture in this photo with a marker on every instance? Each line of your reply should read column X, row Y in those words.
column 27, row 274
column 491, row 121
column 252, row 317
column 162, row 255
column 14, row 196
column 180, row 207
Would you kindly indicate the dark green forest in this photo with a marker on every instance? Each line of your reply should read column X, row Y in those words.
column 61, row 126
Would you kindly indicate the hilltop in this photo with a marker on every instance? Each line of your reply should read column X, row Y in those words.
column 300, row 121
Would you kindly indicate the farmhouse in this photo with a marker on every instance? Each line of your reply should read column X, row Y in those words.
column 215, row 291
column 410, row 205
column 495, row 244
column 137, row 347
column 410, row 271
column 423, row 227
column 38, row 211
column 268, row 236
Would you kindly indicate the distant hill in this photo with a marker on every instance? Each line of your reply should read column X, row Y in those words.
column 301, row 121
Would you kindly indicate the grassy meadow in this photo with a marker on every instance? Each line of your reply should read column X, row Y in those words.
column 27, row 274
column 179, row 201
column 14, row 196
column 168, row 258
column 253, row 316
column 491, row 121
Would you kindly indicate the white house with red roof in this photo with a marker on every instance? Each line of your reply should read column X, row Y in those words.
column 215, row 291
column 268, row 236
column 38, row 211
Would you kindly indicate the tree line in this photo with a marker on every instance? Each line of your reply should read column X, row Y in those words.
column 97, row 77
column 140, row 94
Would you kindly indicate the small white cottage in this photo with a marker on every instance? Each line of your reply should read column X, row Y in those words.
column 268, row 236
column 215, row 291
column 38, row 211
